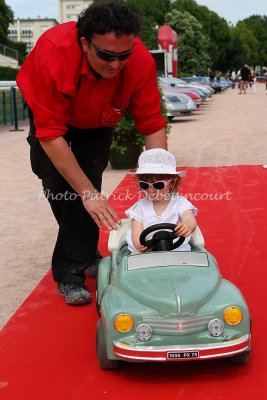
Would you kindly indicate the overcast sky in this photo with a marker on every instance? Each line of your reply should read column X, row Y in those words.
column 231, row 10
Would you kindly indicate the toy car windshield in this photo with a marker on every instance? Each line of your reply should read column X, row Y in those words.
column 166, row 259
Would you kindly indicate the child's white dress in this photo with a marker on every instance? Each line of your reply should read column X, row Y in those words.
column 143, row 211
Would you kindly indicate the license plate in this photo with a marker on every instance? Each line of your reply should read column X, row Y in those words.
column 175, row 355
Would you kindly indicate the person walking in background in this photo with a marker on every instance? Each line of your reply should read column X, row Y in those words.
column 233, row 78
column 218, row 75
column 211, row 74
column 265, row 75
column 77, row 82
column 245, row 76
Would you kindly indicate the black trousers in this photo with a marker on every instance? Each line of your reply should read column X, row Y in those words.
column 78, row 234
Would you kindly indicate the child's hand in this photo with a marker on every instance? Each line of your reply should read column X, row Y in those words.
column 182, row 229
column 142, row 249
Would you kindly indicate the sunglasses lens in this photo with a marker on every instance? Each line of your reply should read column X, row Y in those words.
column 125, row 56
column 105, row 56
column 143, row 185
column 158, row 185
column 110, row 57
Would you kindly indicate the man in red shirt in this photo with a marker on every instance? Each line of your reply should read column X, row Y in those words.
column 77, row 82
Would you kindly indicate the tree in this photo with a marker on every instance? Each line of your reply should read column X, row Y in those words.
column 6, row 17
column 193, row 43
column 151, row 14
column 22, row 49
column 258, row 25
column 244, row 46
column 205, row 39
column 215, row 29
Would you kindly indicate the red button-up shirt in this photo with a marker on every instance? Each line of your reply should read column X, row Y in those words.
column 60, row 88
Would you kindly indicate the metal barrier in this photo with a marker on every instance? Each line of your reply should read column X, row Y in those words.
column 9, row 52
column 12, row 105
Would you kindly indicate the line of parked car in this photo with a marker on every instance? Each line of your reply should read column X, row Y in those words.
column 183, row 96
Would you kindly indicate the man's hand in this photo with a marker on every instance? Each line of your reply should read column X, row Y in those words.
column 101, row 211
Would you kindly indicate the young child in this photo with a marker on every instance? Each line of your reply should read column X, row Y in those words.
column 159, row 182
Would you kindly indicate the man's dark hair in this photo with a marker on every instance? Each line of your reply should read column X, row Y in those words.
column 107, row 17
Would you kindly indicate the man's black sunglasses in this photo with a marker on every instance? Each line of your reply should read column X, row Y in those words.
column 109, row 56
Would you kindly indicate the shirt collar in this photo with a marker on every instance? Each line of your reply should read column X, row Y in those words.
column 85, row 68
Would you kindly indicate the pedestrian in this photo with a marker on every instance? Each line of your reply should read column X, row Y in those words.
column 211, row 74
column 233, row 78
column 245, row 77
column 159, row 182
column 77, row 82
column 265, row 77
column 227, row 75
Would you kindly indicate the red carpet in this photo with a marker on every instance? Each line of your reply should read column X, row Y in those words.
column 47, row 350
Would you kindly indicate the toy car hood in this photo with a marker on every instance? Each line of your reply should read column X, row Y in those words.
column 165, row 287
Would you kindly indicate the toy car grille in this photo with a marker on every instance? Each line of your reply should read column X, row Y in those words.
column 179, row 326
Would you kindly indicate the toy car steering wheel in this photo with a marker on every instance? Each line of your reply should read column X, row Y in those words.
column 162, row 240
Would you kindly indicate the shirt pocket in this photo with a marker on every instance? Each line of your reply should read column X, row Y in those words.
column 110, row 116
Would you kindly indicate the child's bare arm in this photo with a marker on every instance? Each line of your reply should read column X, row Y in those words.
column 137, row 229
column 188, row 224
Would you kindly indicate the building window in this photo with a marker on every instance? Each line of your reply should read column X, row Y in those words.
column 26, row 32
column 43, row 28
column 72, row 17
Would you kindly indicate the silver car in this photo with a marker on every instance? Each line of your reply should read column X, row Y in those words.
column 178, row 104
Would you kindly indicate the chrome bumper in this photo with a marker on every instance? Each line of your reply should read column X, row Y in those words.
column 173, row 353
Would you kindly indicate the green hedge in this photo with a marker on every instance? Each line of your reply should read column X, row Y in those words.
column 8, row 73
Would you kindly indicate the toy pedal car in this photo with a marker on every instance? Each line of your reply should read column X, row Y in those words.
column 167, row 305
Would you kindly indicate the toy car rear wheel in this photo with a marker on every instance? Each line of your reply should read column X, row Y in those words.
column 241, row 358
column 104, row 362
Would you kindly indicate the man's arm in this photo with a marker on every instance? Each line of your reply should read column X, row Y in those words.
column 156, row 140
column 65, row 162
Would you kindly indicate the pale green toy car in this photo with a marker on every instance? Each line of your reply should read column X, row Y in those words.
column 167, row 305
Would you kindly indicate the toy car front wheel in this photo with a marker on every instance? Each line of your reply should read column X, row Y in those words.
column 241, row 358
column 104, row 362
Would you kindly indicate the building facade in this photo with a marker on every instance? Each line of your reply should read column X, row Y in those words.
column 29, row 30
column 69, row 10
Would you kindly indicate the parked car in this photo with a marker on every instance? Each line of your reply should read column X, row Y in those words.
column 177, row 82
column 205, row 80
column 225, row 83
column 168, row 82
column 167, row 305
column 178, row 104
column 194, row 96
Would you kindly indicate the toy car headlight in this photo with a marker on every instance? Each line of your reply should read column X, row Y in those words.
column 143, row 332
column 233, row 315
column 216, row 327
column 123, row 323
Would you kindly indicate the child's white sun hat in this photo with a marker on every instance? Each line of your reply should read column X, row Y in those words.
column 157, row 161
